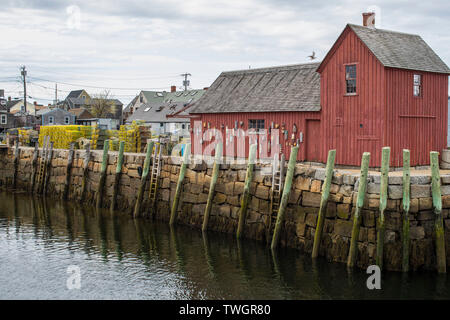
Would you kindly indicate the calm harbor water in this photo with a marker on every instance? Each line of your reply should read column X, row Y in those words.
column 122, row 258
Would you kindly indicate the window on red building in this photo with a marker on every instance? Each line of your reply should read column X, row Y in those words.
column 417, row 84
column 350, row 78
column 257, row 124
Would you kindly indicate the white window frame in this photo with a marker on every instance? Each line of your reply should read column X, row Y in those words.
column 51, row 120
column 4, row 119
column 66, row 120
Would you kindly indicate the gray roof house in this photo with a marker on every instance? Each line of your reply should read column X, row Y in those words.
column 159, row 106
column 55, row 116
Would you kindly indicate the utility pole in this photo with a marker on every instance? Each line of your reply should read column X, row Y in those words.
column 24, row 74
column 186, row 81
column 56, row 94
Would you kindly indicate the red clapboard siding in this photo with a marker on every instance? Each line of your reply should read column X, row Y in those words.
column 416, row 123
column 352, row 124
column 288, row 118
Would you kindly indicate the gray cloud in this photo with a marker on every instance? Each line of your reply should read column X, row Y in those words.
column 150, row 43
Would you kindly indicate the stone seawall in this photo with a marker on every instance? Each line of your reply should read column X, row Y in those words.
column 301, row 216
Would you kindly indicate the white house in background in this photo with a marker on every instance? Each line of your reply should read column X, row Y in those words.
column 17, row 105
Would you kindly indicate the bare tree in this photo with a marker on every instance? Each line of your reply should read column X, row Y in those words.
column 101, row 105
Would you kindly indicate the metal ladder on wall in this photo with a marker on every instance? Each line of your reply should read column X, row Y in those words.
column 41, row 172
column 156, row 170
column 276, row 192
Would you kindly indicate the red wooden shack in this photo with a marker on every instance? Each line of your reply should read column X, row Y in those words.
column 374, row 88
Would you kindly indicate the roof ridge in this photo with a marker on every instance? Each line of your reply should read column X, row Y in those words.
column 384, row 30
column 287, row 66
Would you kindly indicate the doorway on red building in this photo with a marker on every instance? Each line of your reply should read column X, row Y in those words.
column 312, row 140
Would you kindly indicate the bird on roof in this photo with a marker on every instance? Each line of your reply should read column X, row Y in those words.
column 312, row 56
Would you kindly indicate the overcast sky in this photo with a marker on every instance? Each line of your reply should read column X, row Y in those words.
column 143, row 44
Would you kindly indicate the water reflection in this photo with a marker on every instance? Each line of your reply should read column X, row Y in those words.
column 138, row 259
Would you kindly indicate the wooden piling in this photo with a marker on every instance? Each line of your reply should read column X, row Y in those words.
column 101, row 184
column 323, row 202
column 34, row 163
column 212, row 185
column 383, row 203
column 48, row 165
column 359, row 204
column 174, row 211
column 68, row 171
column 284, row 197
column 117, row 176
column 87, row 158
column 406, row 204
column 16, row 163
column 245, row 198
column 148, row 156
column 437, row 205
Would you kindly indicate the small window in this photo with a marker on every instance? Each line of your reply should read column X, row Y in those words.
column 4, row 119
column 66, row 120
column 417, row 85
column 84, row 97
column 22, row 108
column 257, row 124
column 350, row 78
column 141, row 99
column 183, row 126
column 161, row 124
column 51, row 120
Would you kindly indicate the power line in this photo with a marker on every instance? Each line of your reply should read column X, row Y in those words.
column 96, row 87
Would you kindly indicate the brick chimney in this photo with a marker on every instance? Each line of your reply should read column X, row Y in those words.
column 369, row 19
column 173, row 88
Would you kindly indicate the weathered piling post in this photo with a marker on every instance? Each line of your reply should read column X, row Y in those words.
column 68, row 171
column 323, row 202
column 406, row 204
column 101, row 184
column 34, row 166
column 437, row 205
column 245, row 198
column 16, row 162
column 383, row 203
column 87, row 158
column 148, row 156
column 285, row 196
column 173, row 213
column 48, row 165
column 212, row 185
column 117, row 176
column 359, row 204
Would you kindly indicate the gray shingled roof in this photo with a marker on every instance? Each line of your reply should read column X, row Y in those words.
column 172, row 102
column 400, row 50
column 74, row 94
column 284, row 88
column 157, row 112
